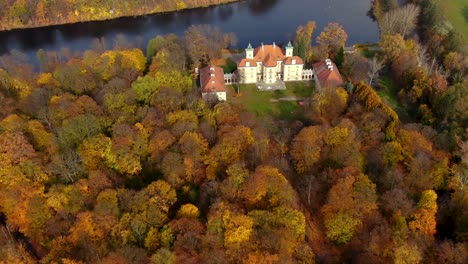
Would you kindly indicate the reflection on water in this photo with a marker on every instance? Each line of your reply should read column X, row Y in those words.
column 259, row 7
column 253, row 21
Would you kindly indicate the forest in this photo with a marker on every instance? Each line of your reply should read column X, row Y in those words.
column 36, row 13
column 111, row 156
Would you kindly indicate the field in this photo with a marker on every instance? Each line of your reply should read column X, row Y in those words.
column 457, row 13
column 282, row 104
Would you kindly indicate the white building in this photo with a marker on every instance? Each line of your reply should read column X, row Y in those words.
column 268, row 63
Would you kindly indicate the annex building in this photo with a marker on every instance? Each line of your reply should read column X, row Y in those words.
column 327, row 75
column 212, row 83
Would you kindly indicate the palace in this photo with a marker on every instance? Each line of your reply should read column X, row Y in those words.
column 268, row 64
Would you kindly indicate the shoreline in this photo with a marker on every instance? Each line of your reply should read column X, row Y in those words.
column 139, row 14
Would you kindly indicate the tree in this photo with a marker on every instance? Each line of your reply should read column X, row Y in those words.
column 339, row 59
column 351, row 199
column 230, row 149
column 145, row 88
column 394, row 44
column 407, row 253
column 267, row 188
column 355, row 67
column 332, row 38
column 182, row 121
column 303, row 40
column 328, row 105
column 204, row 43
column 375, row 65
column 160, row 142
column 306, row 148
column 154, row 45
column 424, row 220
column 402, row 20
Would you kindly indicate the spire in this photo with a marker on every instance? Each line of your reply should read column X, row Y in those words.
column 262, row 46
column 249, row 52
column 289, row 50
column 274, row 45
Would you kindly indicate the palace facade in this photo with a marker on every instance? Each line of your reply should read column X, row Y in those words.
column 269, row 64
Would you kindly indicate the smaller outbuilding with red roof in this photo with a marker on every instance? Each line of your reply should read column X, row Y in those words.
column 212, row 83
column 327, row 75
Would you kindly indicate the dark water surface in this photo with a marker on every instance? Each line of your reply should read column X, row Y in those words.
column 252, row 21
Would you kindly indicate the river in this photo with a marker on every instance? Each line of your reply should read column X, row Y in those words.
column 252, row 21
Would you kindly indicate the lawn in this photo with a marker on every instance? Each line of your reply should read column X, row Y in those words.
column 457, row 13
column 296, row 89
column 388, row 92
column 259, row 102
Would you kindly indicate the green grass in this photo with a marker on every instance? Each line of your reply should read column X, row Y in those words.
column 259, row 102
column 457, row 13
column 296, row 89
column 388, row 91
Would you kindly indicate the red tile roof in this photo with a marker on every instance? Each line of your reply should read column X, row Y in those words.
column 268, row 52
column 328, row 77
column 269, row 61
column 243, row 63
column 288, row 60
column 212, row 79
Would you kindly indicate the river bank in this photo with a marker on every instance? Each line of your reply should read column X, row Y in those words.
column 22, row 16
column 253, row 21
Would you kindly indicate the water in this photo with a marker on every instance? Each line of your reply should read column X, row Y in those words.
column 252, row 21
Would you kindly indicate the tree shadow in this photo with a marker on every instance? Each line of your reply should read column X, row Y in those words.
column 465, row 13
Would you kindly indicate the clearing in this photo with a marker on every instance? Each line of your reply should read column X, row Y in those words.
column 457, row 13
column 264, row 103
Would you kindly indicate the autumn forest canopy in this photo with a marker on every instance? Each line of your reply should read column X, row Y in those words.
column 36, row 13
column 112, row 156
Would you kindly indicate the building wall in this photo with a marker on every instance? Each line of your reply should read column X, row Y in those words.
column 247, row 74
column 307, row 74
column 254, row 73
column 221, row 95
column 292, row 72
column 269, row 74
column 279, row 67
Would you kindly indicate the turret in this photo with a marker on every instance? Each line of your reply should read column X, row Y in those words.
column 289, row 50
column 249, row 52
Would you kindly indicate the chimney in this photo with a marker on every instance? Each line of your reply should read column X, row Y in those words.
column 262, row 46
column 274, row 45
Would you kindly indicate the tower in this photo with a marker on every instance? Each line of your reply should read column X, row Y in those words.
column 249, row 52
column 289, row 50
